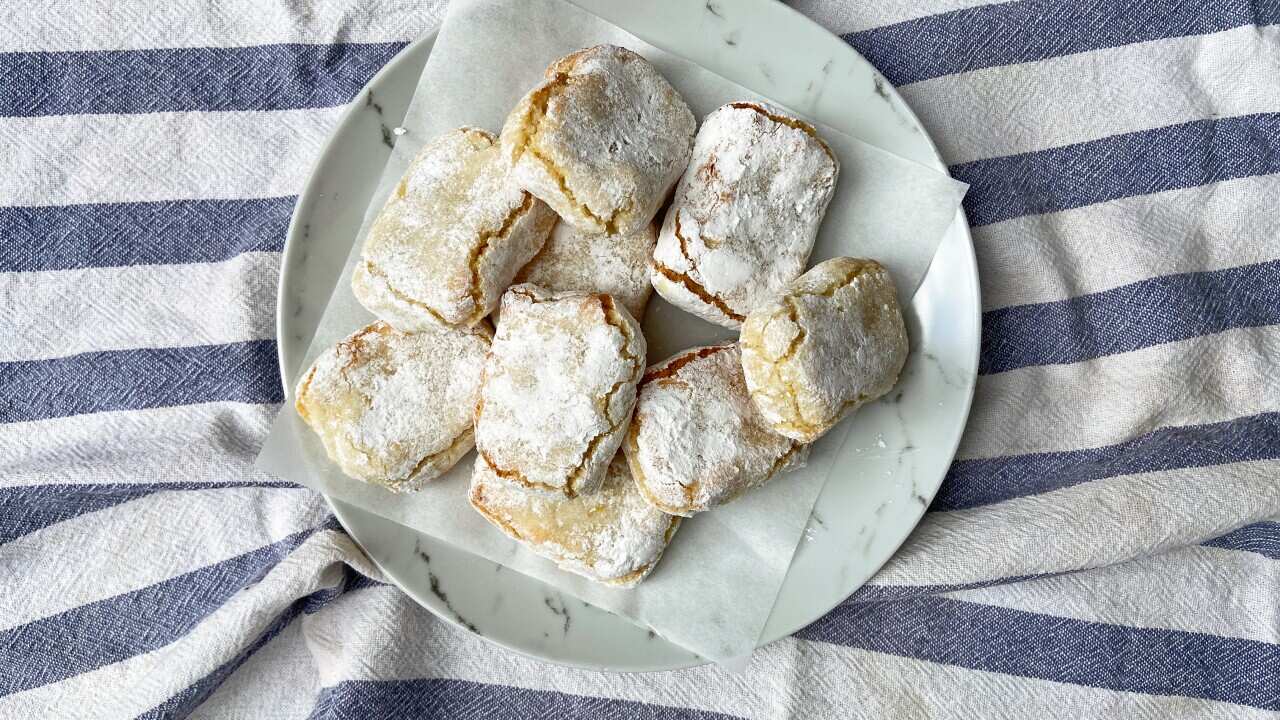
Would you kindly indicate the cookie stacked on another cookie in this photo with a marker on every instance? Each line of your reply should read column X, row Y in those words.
column 746, row 213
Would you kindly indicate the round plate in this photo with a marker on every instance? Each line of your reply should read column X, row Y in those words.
column 858, row 522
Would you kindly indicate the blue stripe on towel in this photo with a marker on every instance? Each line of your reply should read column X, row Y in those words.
column 137, row 379
column 183, row 703
column 1049, row 180
column 1018, row 32
column 108, row 631
column 884, row 593
column 430, row 698
column 1262, row 538
column 972, row 483
column 140, row 233
column 27, row 508
column 1120, row 166
column 1130, row 317
column 260, row 77
column 1016, row 642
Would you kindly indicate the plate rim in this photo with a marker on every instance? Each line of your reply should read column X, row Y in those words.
column 309, row 195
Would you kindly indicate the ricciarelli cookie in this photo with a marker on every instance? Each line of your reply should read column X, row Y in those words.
column 611, row 536
column 695, row 440
column 450, row 238
column 745, row 214
column 613, row 264
column 602, row 141
column 557, row 389
column 394, row 409
column 833, row 341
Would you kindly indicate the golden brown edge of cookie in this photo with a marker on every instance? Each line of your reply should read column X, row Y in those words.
column 792, row 122
column 518, row 478
column 572, row 485
column 631, row 579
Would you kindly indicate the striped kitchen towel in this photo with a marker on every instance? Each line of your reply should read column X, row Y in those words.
column 1107, row 542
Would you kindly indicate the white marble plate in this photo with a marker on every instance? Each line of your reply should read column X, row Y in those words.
column 885, row 475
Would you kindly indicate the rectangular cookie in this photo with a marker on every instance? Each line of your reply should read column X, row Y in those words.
column 746, row 213
column 833, row 342
column 601, row 141
column 557, row 389
column 392, row 408
column 695, row 440
column 450, row 238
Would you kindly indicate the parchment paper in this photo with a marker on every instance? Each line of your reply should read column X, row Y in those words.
column 716, row 585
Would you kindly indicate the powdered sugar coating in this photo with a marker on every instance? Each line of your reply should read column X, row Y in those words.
column 613, row 264
column 695, row 440
column 601, row 141
column 394, row 409
column 558, row 388
column 611, row 536
column 450, row 238
column 745, row 214
column 834, row 341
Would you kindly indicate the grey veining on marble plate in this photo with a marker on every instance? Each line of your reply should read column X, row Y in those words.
column 385, row 132
column 433, row 583
column 555, row 603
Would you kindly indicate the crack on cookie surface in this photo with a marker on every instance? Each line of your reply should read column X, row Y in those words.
column 525, row 271
column 528, row 142
column 859, row 268
column 355, row 344
column 518, row 477
column 636, row 367
column 783, row 460
column 464, row 437
column 482, row 246
column 692, row 286
column 377, row 272
column 793, row 315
